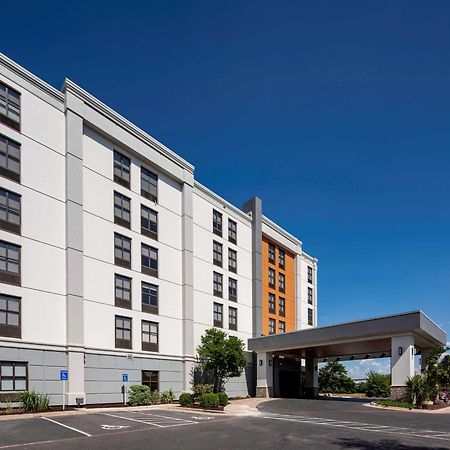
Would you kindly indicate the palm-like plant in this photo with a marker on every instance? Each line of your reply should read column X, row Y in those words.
column 418, row 389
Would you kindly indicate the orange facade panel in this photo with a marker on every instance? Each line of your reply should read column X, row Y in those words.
column 275, row 291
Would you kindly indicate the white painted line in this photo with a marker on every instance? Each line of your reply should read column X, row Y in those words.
column 67, row 426
column 133, row 420
column 362, row 426
column 163, row 417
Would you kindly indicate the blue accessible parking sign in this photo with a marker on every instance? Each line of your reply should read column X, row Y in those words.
column 64, row 375
column 125, row 378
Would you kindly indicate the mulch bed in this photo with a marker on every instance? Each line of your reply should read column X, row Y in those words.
column 18, row 411
column 438, row 405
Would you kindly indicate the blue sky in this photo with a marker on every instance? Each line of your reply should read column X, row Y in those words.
column 335, row 113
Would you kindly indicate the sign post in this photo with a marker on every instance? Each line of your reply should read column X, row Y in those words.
column 125, row 381
column 64, row 376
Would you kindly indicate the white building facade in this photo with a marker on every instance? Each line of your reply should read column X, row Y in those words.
column 113, row 259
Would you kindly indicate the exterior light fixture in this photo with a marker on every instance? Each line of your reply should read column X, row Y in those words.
column 270, row 362
column 260, row 362
column 400, row 351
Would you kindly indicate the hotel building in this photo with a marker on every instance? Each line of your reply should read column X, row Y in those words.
column 114, row 259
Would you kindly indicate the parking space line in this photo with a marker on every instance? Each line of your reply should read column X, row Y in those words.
column 133, row 420
column 164, row 417
column 67, row 426
column 369, row 427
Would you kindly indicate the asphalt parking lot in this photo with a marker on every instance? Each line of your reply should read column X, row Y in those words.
column 286, row 424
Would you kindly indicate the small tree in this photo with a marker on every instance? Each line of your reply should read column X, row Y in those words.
column 418, row 389
column 378, row 384
column 333, row 378
column 222, row 355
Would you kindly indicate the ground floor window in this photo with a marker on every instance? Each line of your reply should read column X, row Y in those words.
column 150, row 378
column 13, row 376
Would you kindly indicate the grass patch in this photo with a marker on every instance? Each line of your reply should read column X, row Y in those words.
column 395, row 404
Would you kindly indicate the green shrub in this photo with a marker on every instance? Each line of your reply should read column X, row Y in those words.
column 139, row 395
column 397, row 404
column 33, row 401
column 418, row 389
column 223, row 399
column 155, row 398
column 186, row 399
column 378, row 385
column 167, row 397
column 201, row 389
column 210, row 400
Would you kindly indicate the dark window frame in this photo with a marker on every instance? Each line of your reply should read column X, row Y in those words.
column 6, row 276
column 281, row 282
column 150, row 346
column 232, row 231
column 272, row 301
column 6, row 171
column 148, row 269
column 217, row 222
column 281, row 326
column 232, row 290
column 149, row 307
column 282, row 306
column 5, row 118
column 271, row 252
column 272, row 329
column 310, row 296
column 231, row 259
column 310, row 275
column 281, row 258
column 118, row 261
column 8, row 225
column 122, row 342
column 122, row 162
column 232, row 318
column 119, row 220
column 152, row 231
column 218, row 312
column 310, row 316
column 151, row 181
column 8, row 330
column 148, row 381
column 119, row 301
column 8, row 394
column 270, row 277
column 218, row 283
column 217, row 254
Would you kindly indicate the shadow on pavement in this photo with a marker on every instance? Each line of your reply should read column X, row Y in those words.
column 386, row 444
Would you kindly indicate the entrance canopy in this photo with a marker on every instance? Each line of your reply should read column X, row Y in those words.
column 361, row 339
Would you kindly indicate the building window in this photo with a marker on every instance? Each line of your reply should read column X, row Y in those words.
column 272, row 278
column 272, row 326
column 282, row 326
column 123, row 332
column 232, row 318
column 9, row 316
column 9, row 159
column 122, row 206
column 149, row 222
column 13, row 376
column 310, row 296
column 272, row 303
column 217, row 254
column 218, row 315
column 232, row 231
column 217, row 223
column 9, row 107
column 150, row 378
column 121, row 169
column 310, row 317
column 281, row 282
column 122, row 251
column 310, row 274
column 149, row 336
column 217, row 284
column 281, row 258
column 282, row 306
column 150, row 294
column 271, row 253
column 9, row 263
column 149, row 185
column 232, row 260
column 122, row 291
column 9, row 211
column 232, row 289
column 149, row 260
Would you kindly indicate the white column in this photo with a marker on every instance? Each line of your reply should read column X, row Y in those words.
column 264, row 375
column 311, row 383
column 402, row 364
